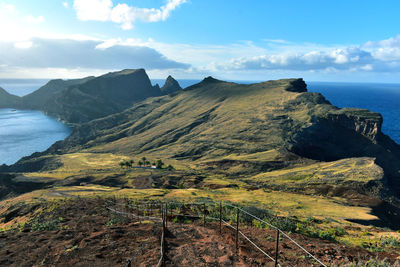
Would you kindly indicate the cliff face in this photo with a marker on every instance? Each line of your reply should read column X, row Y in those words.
column 82, row 100
column 364, row 122
column 101, row 96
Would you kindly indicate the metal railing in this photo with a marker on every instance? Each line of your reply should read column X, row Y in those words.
column 227, row 214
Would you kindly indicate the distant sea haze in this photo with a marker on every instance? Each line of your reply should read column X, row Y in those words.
column 25, row 132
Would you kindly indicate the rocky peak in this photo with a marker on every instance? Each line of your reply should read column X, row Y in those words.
column 297, row 86
column 171, row 85
column 210, row 79
column 157, row 87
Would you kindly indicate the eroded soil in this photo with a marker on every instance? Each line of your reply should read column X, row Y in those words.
column 83, row 232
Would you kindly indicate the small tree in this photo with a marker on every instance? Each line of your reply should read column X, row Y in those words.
column 159, row 164
column 140, row 163
column 147, row 163
column 170, row 167
column 144, row 159
column 122, row 164
column 128, row 164
column 131, row 162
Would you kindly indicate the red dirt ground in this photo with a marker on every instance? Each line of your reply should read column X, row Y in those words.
column 90, row 235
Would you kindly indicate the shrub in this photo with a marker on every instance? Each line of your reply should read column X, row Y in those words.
column 116, row 220
column 44, row 226
column 389, row 241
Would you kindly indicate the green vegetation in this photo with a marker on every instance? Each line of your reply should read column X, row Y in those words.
column 235, row 143
column 44, row 226
column 146, row 163
column 116, row 220
column 389, row 241
column 373, row 262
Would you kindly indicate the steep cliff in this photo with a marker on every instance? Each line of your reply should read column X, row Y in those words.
column 101, row 96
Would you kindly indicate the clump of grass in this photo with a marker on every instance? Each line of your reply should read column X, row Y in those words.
column 312, row 231
column 389, row 241
column 44, row 226
column 381, row 244
column 116, row 220
column 373, row 262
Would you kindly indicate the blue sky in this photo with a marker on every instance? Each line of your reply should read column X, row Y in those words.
column 322, row 40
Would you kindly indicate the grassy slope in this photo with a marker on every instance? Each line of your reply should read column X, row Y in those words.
column 228, row 141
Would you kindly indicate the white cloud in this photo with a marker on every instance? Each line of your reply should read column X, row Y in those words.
column 246, row 59
column 23, row 45
column 72, row 54
column 7, row 7
column 123, row 14
column 65, row 4
column 385, row 50
column 99, row 10
column 343, row 58
column 32, row 19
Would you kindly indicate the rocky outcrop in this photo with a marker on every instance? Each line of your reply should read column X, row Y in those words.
column 297, row 86
column 364, row 122
column 171, row 85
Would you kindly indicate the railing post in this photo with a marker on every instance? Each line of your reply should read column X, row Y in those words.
column 163, row 237
column 237, row 231
column 166, row 214
column 138, row 211
column 204, row 214
column 277, row 248
column 220, row 218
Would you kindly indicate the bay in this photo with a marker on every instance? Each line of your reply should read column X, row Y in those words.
column 23, row 132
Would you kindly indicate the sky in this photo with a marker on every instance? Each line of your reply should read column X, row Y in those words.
column 318, row 40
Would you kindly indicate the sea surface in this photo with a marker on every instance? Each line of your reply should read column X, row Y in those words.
column 23, row 132
column 381, row 98
column 21, row 87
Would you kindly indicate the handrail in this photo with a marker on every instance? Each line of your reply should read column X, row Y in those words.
column 164, row 214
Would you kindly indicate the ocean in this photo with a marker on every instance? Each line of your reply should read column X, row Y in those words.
column 23, row 132
column 381, row 98
column 21, row 87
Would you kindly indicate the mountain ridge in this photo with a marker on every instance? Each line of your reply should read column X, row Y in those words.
column 189, row 126
column 8, row 100
column 81, row 100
